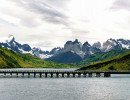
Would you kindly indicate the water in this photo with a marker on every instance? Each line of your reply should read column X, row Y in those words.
column 116, row 87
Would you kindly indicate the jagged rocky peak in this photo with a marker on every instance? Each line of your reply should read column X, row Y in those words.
column 73, row 42
column 10, row 39
column 97, row 45
column 73, row 46
column 76, row 41
column 111, row 44
column 86, row 46
column 68, row 42
column 108, row 45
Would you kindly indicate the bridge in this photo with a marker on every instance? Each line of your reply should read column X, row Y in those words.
column 59, row 73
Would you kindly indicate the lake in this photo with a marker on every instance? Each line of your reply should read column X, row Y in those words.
column 116, row 87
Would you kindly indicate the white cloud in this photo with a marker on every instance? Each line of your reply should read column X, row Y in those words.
column 51, row 23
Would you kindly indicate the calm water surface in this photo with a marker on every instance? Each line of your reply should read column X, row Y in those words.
column 116, row 87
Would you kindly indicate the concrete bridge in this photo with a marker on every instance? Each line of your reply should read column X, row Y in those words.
column 59, row 73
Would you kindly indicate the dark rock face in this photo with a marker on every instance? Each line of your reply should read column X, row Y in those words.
column 97, row 45
column 86, row 47
column 26, row 47
column 67, row 57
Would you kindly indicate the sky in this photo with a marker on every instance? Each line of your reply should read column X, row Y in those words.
column 50, row 23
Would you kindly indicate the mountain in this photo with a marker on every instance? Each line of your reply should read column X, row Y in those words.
column 86, row 50
column 101, row 56
column 118, row 44
column 97, row 45
column 74, row 47
column 24, row 48
column 118, row 63
column 73, row 51
column 11, row 59
column 78, row 50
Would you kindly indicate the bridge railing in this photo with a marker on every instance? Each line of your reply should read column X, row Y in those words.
column 60, row 71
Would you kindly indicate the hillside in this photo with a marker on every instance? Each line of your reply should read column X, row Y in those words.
column 118, row 63
column 10, row 59
column 101, row 56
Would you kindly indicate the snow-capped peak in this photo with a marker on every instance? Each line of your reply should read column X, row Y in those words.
column 10, row 39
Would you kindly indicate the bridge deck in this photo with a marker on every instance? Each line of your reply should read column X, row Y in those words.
column 62, row 72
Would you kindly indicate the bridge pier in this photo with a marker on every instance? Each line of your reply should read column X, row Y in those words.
column 98, row 75
column 11, row 74
column 62, row 74
column 73, row 74
column 5, row 74
column 34, row 75
column 107, row 74
column 85, row 74
column 79, row 74
column 51, row 75
column 45, row 75
column 89, row 74
column 57, row 74
column 22, row 74
column 40, row 74
column 68, row 74
column 17, row 74
column 28, row 75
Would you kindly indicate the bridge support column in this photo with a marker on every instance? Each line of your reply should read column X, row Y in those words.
column 57, row 74
column 22, row 74
column 62, row 74
column 79, row 74
column 28, row 75
column 68, row 74
column 89, row 74
column 85, row 74
column 17, row 74
column 34, row 75
column 46, row 75
column 98, row 75
column 40, row 74
column 73, row 74
column 5, row 74
column 107, row 75
column 51, row 75
column 11, row 74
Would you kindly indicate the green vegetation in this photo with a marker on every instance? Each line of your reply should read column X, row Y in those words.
column 118, row 63
column 10, row 59
column 101, row 56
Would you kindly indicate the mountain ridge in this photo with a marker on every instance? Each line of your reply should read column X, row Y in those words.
column 77, row 49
